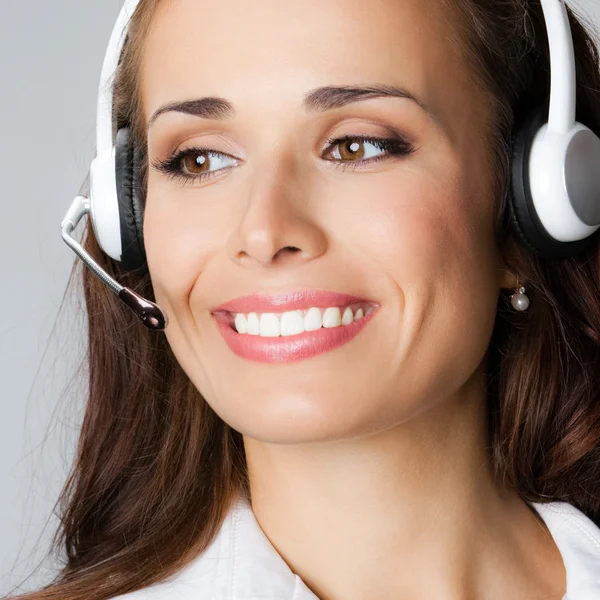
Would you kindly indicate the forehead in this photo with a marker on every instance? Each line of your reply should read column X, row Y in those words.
column 264, row 55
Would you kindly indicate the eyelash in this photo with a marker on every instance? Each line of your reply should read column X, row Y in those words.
column 394, row 147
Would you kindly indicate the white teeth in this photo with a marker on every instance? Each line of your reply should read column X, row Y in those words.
column 332, row 317
column 348, row 317
column 292, row 323
column 312, row 319
column 240, row 323
column 269, row 325
column 253, row 324
column 295, row 322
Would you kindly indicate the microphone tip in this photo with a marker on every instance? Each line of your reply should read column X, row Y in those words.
column 147, row 312
column 153, row 318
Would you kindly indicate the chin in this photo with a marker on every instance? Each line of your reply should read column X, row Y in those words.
column 297, row 419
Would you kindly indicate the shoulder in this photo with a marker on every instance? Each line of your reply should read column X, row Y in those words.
column 163, row 590
column 564, row 518
column 208, row 576
column 577, row 538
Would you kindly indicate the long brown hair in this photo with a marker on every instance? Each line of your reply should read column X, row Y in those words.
column 156, row 469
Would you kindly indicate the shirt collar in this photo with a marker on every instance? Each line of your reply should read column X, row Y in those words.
column 239, row 564
column 577, row 538
column 242, row 564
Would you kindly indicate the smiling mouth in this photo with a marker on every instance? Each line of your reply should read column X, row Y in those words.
column 294, row 322
column 270, row 346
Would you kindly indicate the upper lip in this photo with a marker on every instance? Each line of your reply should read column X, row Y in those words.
column 289, row 300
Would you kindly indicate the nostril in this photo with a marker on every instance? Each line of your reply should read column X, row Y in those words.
column 291, row 249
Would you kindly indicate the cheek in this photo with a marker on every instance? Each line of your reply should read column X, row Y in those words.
column 178, row 241
column 426, row 230
column 433, row 242
column 180, row 246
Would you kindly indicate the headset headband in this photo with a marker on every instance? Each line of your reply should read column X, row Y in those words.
column 104, row 120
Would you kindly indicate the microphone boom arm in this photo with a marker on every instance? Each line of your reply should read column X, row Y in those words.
column 147, row 312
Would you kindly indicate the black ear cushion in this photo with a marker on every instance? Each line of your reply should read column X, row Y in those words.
column 524, row 221
column 130, row 196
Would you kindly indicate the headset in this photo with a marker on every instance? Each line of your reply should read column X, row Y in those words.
column 554, row 193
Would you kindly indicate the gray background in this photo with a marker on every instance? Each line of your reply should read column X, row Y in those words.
column 50, row 58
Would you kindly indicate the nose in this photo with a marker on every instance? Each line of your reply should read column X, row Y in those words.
column 278, row 225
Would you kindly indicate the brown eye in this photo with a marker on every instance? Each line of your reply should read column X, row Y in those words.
column 196, row 162
column 351, row 149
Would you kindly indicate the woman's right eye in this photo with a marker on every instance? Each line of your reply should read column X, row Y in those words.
column 192, row 164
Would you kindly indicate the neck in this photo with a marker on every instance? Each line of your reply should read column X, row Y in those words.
column 409, row 512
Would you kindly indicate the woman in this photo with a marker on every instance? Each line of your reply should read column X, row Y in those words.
column 449, row 445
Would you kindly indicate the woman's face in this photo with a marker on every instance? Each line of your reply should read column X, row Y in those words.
column 277, row 211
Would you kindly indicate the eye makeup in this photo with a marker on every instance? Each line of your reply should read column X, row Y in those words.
column 178, row 166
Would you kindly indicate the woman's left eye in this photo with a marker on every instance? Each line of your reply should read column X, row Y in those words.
column 353, row 147
column 194, row 164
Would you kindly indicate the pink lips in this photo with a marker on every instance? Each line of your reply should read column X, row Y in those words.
column 293, row 347
column 297, row 299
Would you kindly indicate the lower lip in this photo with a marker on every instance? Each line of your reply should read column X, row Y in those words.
column 294, row 347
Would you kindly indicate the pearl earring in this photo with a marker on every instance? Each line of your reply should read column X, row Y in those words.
column 519, row 300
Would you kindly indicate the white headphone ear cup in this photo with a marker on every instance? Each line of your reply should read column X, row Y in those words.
column 524, row 220
column 131, row 200
column 104, row 206
column 582, row 175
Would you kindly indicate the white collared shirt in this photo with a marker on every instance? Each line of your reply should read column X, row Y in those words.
column 242, row 564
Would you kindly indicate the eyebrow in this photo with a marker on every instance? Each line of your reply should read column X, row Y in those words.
column 317, row 100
